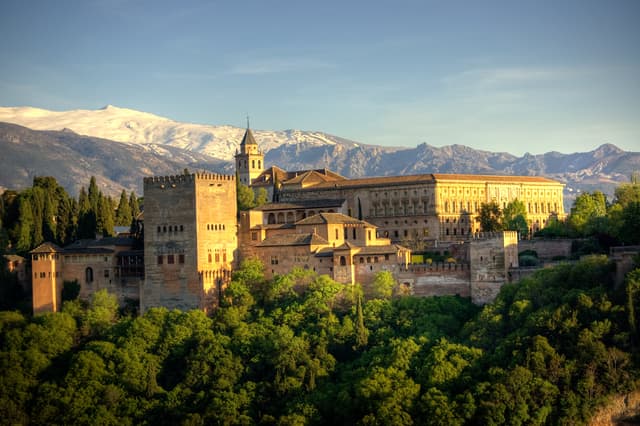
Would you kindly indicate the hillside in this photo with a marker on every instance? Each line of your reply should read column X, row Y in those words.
column 72, row 159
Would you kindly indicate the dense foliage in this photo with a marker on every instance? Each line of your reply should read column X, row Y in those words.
column 45, row 212
column 606, row 224
column 303, row 349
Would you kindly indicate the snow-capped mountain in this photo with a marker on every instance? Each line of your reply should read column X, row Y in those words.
column 172, row 144
column 130, row 126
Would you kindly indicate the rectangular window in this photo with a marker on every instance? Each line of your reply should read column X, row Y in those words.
column 160, row 260
column 170, row 259
column 254, row 236
column 181, row 258
column 106, row 273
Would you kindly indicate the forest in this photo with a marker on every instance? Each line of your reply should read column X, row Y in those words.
column 302, row 349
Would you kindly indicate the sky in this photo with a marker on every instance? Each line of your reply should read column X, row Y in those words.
column 514, row 76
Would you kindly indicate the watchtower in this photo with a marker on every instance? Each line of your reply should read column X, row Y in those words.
column 190, row 240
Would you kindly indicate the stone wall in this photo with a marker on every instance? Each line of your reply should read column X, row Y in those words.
column 547, row 249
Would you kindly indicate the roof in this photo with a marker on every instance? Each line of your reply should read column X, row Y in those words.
column 374, row 181
column 274, row 226
column 274, row 173
column 427, row 178
column 248, row 138
column 14, row 258
column 331, row 218
column 103, row 242
column 494, row 178
column 312, row 177
column 87, row 250
column 46, row 247
column 293, row 240
column 347, row 245
column 392, row 248
column 302, row 204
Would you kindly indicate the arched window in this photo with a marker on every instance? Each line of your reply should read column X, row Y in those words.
column 280, row 217
column 271, row 219
column 253, row 164
column 343, row 261
column 259, row 164
column 290, row 217
column 88, row 275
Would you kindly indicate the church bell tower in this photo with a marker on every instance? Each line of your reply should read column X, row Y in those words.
column 249, row 160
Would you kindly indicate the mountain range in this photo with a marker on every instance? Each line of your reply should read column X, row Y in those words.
column 120, row 146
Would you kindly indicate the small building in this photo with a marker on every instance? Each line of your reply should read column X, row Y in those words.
column 113, row 264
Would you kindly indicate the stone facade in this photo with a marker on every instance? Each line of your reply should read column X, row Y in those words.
column 422, row 209
column 345, row 248
column 190, row 240
column 109, row 263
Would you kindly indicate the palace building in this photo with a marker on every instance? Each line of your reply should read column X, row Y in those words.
column 349, row 229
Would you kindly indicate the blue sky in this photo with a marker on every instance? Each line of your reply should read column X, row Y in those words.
column 515, row 76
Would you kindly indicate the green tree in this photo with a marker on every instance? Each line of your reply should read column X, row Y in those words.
column 490, row 217
column 105, row 216
column 123, row 215
column 133, row 205
column 586, row 210
column 383, row 285
column 262, row 197
column 26, row 224
column 515, row 218
column 630, row 230
column 245, row 196
column 628, row 192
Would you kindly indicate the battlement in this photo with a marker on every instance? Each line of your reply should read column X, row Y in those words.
column 494, row 235
column 187, row 178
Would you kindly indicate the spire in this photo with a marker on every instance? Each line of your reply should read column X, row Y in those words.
column 248, row 138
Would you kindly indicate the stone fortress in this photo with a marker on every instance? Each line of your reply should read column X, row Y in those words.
column 349, row 229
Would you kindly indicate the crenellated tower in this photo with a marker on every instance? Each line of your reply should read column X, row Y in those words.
column 190, row 240
column 249, row 160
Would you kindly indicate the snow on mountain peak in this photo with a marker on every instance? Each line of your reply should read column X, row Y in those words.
column 131, row 126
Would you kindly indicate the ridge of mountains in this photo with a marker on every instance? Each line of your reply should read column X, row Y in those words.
column 120, row 146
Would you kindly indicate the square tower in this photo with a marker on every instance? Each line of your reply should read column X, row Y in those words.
column 190, row 240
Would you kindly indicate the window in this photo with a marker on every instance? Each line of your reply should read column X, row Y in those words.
column 362, row 260
column 254, row 236
column 181, row 258
column 181, row 228
column 274, row 260
column 217, row 256
column 386, row 257
column 369, row 235
column 106, row 273
column 354, row 233
column 210, row 258
column 337, row 236
column 88, row 275
column 170, row 259
column 343, row 261
column 375, row 259
column 160, row 260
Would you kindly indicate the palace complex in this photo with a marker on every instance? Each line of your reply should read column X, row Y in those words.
column 349, row 229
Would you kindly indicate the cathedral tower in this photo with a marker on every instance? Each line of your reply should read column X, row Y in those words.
column 249, row 160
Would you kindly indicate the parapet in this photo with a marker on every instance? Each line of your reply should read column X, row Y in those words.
column 187, row 178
